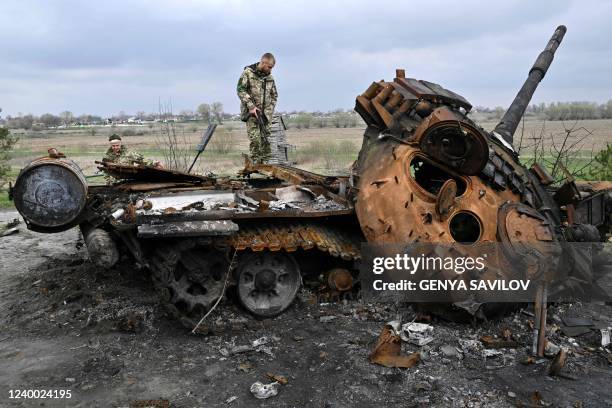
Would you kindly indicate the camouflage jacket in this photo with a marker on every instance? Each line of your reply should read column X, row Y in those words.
column 256, row 89
column 126, row 157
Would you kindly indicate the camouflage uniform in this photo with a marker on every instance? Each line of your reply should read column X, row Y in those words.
column 124, row 157
column 257, row 89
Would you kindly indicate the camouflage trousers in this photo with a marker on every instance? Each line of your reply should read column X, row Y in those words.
column 259, row 144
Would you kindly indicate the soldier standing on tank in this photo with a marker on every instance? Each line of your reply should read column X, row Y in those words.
column 257, row 92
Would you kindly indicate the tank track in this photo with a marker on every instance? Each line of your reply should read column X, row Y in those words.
column 189, row 275
column 188, row 293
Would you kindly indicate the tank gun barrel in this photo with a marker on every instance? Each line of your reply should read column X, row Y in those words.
column 509, row 122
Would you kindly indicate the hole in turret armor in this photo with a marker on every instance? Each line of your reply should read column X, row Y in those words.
column 465, row 228
column 431, row 177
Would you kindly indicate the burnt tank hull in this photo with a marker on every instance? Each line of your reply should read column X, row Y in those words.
column 425, row 173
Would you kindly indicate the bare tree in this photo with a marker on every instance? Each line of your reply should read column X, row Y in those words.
column 560, row 152
column 172, row 144
column 67, row 117
column 217, row 111
column 50, row 120
column 204, row 112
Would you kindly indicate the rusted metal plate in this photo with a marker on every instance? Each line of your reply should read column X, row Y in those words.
column 150, row 174
column 294, row 175
column 144, row 186
column 416, row 87
column 397, row 204
column 448, row 96
column 446, row 198
column 594, row 186
column 405, row 93
column 521, row 229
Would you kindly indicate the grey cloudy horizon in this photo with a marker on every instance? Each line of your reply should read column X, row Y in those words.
column 106, row 57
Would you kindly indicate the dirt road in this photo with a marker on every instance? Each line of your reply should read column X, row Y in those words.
column 67, row 325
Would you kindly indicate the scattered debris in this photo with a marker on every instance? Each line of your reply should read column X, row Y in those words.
column 260, row 342
column 551, row 349
column 231, row 399
column 491, row 353
column 388, row 348
column 264, row 391
column 577, row 321
column 132, row 322
column 292, row 194
column 470, row 346
column 558, row 363
column 605, row 337
column 529, row 360
column 536, row 399
column 496, row 342
column 241, row 349
column 576, row 326
column 278, row 378
column 449, row 351
column 10, row 228
column 417, row 333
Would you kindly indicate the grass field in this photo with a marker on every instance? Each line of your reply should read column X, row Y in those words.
column 325, row 150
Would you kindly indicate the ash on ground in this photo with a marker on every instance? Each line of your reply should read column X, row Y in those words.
column 66, row 324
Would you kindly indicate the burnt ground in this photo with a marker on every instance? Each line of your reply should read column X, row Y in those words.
column 66, row 324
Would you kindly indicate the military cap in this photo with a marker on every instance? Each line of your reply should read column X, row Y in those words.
column 114, row 136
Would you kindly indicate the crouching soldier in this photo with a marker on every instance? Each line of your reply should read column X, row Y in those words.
column 119, row 153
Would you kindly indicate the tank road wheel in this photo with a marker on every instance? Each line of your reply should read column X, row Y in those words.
column 190, row 279
column 267, row 282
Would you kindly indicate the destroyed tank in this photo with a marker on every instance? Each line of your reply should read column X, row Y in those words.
column 425, row 173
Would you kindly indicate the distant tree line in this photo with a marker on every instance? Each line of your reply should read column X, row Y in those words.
column 333, row 119
column 207, row 112
column 556, row 111
column 573, row 110
column 338, row 118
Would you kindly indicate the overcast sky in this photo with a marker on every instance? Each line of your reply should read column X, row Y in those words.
column 104, row 57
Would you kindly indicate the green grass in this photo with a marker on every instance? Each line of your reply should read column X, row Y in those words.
column 577, row 165
column 5, row 203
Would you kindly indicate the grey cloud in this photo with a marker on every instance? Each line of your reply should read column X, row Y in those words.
column 124, row 55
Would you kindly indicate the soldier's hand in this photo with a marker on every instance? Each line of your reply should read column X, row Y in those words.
column 158, row 165
column 254, row 111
